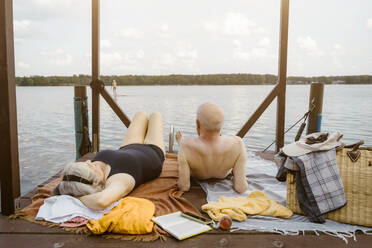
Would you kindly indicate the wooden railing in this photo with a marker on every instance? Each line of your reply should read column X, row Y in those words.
column 278, row 91
column 10, row 183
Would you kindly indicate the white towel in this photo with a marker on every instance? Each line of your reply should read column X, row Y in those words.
column 61, row 208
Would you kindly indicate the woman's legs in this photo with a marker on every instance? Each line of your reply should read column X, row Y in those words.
column 137, row 130
column 155, row 135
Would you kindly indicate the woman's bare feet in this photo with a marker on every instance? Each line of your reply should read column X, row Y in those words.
column 178, row 137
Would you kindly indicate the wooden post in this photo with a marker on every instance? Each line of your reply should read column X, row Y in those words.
column 315, row 118
column 95, row 73
column 9, row 165
column 282, row 74
column 82, row 141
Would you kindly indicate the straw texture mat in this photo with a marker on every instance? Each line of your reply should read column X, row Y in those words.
column 357, row 180
column 162, row 191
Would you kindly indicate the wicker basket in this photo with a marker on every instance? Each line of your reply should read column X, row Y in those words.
column 357, row 179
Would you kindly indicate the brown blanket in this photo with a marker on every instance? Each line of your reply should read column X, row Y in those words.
column 162, row 191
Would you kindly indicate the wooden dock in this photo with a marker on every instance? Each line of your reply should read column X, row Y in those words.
column 21, row 233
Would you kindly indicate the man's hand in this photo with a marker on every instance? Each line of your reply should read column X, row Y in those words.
column 179, row 137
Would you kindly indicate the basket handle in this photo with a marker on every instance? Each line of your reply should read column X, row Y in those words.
column 355, row 146
column 354, row 154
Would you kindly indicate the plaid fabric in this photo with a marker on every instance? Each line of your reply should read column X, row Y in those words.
column 319, row 185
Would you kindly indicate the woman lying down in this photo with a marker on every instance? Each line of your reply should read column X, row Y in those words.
column 112, row 174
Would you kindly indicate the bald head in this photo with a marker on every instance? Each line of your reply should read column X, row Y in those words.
column 210, row 116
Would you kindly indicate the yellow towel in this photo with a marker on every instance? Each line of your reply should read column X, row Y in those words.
column 131, row 216
column 256, row 203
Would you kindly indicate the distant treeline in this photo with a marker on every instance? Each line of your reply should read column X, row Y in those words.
column 210, row 79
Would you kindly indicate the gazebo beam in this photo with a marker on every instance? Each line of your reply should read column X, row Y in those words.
column 282, row 74
column 9, row 165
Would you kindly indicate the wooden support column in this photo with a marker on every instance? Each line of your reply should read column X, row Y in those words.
column 82, row 141
column 9, row 165
column 95, row 73
column 282, row 74
column 315, row 118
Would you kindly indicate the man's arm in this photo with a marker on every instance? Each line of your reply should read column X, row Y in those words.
column 240, row 182
column 183, row 170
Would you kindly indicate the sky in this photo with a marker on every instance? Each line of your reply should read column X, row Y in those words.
column 147, row 37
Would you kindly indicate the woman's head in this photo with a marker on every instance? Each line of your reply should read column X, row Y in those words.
column 80, row 178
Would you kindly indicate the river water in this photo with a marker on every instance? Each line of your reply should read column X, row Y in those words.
column 46, row 118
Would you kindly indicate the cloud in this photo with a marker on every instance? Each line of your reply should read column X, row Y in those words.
column 21, row 25
column 337, row 46
column 110, row 59
column 129, row 62
column 309, row 45
column 336, row 52
column 53, row 3
column 58, row 57
column 105, row 43
column 239, row 53
column 164, row 28
column 264, row 42
column 131, row 32
column 49, row 9
column 233, row 23
column 337, row 49
column 260, row 53
column 369, row 23
column 260, row 30
column 184, row 53
column 22, row 65
column 140, row 54
column 237, row 43
column 18, row 40
column 181, row 59
column 164, row 31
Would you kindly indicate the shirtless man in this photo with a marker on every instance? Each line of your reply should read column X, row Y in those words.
column 211, row 155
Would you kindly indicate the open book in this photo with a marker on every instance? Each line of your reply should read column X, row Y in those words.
column 180, row 227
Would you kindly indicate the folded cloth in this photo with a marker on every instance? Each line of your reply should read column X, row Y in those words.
column 312, row 143
column 131, row 216
column 62, row 208
column 318, row 184
column 285, row 163
column 75, row 222
column 256, row 203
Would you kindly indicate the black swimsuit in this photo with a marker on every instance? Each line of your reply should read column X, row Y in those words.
column 143, row 162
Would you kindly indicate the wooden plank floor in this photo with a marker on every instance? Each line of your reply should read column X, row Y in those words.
column 19, row 233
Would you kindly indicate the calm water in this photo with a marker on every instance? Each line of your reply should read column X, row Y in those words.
column 46, row 118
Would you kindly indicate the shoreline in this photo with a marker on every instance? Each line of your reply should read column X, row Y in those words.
column 208, row 79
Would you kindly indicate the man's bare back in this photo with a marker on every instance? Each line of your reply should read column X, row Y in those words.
column 211, row 156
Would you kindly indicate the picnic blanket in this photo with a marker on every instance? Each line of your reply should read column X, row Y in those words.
column 162, row 191
column 260, row 175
